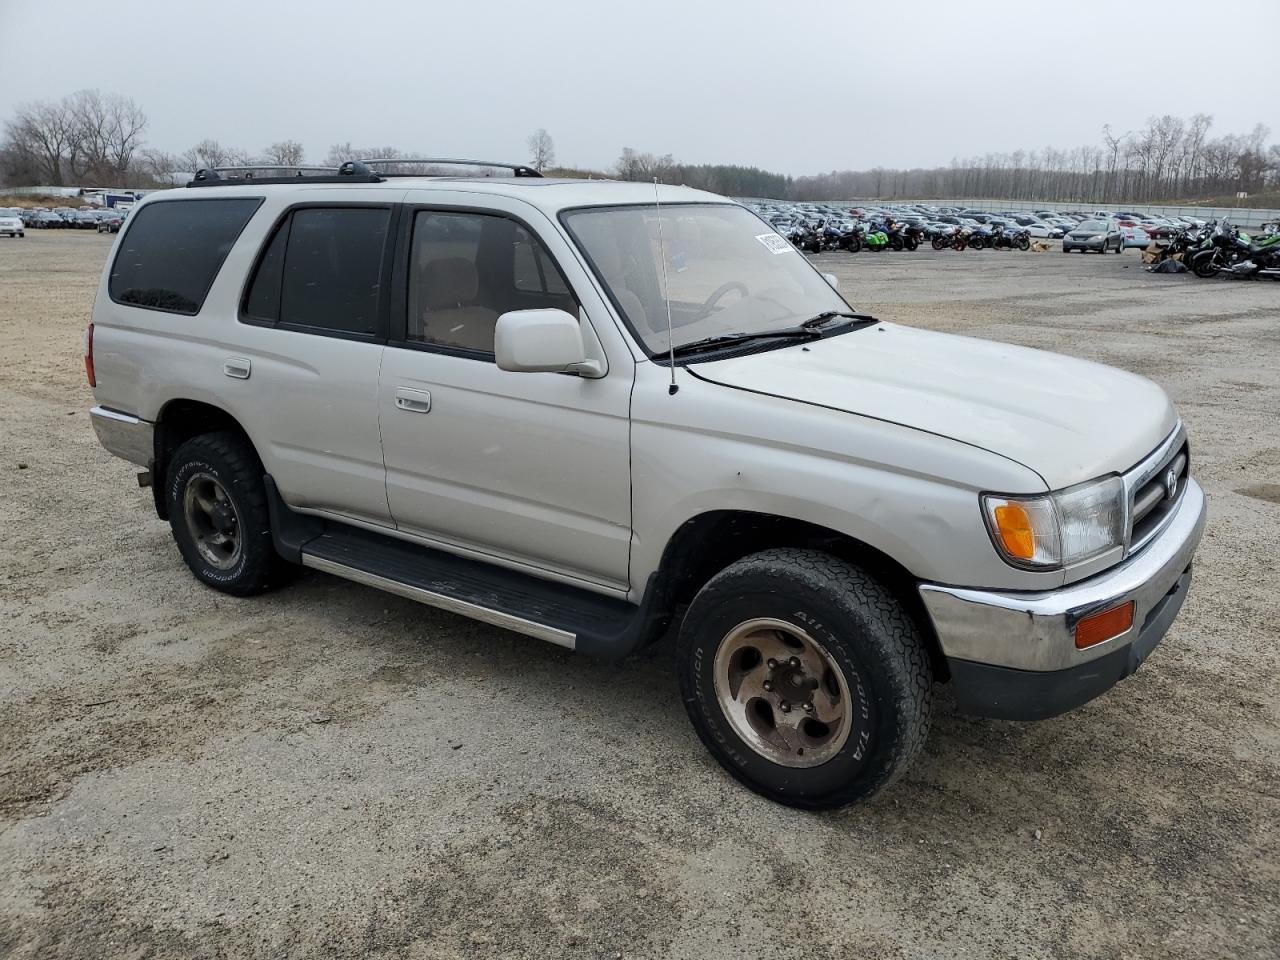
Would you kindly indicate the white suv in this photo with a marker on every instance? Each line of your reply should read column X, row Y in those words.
column 590, row 411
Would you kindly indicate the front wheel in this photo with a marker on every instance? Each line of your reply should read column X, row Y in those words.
column 939, row 243
column 854, row 245
column 1205, row 267
column 911, row 243
column 957, row 244
column 896, row 244
column 1024, row 244
column 805, row 678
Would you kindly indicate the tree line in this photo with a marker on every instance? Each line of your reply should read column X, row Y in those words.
column 91, row 138
column 1169, row 160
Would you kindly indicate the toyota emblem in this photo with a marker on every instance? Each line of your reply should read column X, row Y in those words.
column 1171, row 483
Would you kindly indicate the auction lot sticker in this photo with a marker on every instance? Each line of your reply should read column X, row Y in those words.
column 775, row 243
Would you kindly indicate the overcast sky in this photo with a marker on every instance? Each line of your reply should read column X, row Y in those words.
column 796, row 88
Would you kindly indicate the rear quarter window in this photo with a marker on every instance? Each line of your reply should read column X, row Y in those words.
column 173, row 250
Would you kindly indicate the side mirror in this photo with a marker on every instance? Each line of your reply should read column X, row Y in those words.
column 832, row 279
column 541, row 341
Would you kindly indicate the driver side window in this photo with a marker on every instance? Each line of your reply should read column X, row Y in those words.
column 466, row 270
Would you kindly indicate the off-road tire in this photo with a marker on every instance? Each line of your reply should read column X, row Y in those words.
column 869, row 636
column 231, row 461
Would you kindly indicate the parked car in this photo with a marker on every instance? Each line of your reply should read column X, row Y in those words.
column 47, row 220
column 11, row 224
column 110, row 222
column 1043, row 230
column 1095, row 235
column 497, row 399
column 1135, row 237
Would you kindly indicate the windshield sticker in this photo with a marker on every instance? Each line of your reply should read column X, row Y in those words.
column 776, row 244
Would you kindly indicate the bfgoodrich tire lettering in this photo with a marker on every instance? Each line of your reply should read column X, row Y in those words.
column 866, row 634
column 227, row 460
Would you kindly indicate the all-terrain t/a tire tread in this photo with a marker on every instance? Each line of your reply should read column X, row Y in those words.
column 233, row 460
column 886, row 628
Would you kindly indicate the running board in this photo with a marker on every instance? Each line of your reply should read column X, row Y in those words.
column 431, row 598
column 569, row 617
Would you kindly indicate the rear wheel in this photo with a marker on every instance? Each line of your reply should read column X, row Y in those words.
column 805, row 678
column 218, row 513
column 911, row 243
column 939, row 243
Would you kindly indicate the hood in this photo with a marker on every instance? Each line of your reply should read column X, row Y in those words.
column 1068, row 420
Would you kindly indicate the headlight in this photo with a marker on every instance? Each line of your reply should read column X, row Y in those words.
column 1058, row 529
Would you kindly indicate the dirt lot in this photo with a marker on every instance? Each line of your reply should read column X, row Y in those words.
column 330, row 771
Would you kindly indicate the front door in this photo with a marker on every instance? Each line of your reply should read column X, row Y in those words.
column 528, row 468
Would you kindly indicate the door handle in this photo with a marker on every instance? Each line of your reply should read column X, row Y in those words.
column 237, row 367
column 413, row 401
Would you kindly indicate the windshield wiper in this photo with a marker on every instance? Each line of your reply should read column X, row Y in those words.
column 822, row 319
column 729, row 339
column 811, row 329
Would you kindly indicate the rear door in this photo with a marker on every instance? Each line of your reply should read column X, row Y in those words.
column 313, row 319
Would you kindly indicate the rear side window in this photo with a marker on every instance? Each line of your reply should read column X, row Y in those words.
column 173, row 249
column 322, row 269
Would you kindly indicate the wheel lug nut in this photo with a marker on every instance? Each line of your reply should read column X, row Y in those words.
column 784, row 707
column 773, row 664
column 808, row 708
column 795, row 661
column 768, row 685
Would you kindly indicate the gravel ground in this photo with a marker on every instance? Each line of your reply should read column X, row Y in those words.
column 331, row 771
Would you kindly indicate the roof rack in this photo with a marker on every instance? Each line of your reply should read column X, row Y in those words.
column 353, row 171
column 517, row 169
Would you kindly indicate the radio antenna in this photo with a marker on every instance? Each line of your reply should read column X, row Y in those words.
column 666, row 293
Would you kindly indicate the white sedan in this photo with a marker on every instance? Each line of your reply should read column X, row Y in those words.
column 1044, row 230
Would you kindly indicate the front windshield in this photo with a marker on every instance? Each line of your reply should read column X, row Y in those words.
column 726, row 271
column 1093, row 225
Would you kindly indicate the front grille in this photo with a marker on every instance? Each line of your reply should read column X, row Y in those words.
column 1154, row 497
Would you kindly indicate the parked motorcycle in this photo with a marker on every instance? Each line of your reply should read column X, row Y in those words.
column 853, row 239
column 1229, row 249
column 877, row 240
column 1000, row 240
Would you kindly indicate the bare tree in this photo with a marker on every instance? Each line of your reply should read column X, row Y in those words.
column 286, row 153
column 542, row 149
column 210, row 153
column 633, row 165
column 45, row 135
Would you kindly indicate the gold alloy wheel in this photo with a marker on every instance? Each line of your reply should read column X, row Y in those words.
column 782, row 693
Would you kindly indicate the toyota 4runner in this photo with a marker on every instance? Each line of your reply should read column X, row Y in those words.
column 593, row 411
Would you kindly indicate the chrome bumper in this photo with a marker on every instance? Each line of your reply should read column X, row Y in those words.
column 124, row 435
column 1036, row 631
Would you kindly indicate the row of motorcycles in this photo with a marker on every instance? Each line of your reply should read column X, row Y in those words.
column 1221, row 248
column 994, row 237
column 891, row 235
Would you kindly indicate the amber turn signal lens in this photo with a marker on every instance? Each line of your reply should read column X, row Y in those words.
column 1104, row 626
column 1014, row 525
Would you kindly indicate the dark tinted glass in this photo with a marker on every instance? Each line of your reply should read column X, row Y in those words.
column 263, row 302
column 172, row 251
column 333, row 268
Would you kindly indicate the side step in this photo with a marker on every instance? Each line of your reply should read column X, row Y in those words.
column 568, row 616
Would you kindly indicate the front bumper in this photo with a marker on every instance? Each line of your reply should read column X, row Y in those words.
column 125, row 435
column 1013, row 655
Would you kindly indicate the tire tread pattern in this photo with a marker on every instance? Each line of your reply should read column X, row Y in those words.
column 890, row 631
